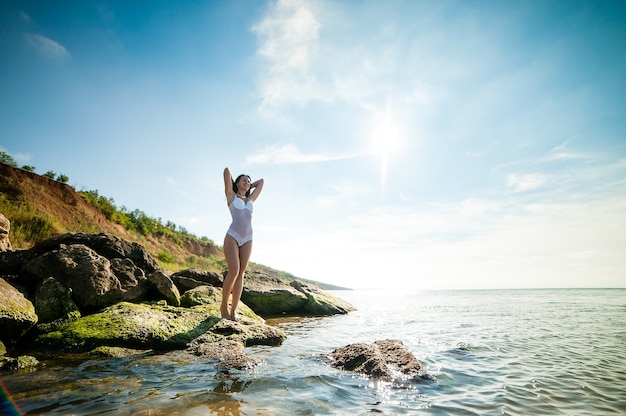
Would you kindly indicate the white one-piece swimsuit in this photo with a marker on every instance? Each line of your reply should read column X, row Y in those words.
column 241, row 227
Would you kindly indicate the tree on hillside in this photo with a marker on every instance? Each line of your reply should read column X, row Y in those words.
column 50, row 174
column 7, row 159
column 62, row 178
column 28, row 168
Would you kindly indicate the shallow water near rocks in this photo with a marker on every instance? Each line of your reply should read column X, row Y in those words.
column 528, row 352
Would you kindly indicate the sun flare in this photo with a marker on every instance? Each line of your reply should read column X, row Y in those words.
column 386, row 139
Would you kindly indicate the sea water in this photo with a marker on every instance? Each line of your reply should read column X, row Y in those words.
column 493, row 352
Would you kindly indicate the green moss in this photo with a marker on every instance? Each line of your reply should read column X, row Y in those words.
column 130, row 325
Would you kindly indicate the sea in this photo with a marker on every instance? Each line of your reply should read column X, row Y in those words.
column 489, row 352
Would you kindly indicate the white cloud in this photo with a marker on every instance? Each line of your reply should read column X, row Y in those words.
column 526, row 182
column 288, row 154
column 46, row 46
column 288, row 38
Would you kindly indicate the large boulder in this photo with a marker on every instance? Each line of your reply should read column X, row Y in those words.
column 269, row 296
column 387, row 359
column 129, row 325
column 96, row 281
column 17, row 314
column 320, row 302
column 5, row 226
column 80, row 268
column 155, row 326
column 106, row 245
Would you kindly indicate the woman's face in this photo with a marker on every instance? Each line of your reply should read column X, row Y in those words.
column 243, row 183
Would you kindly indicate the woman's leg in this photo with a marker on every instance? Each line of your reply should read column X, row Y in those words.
column 244, row 256
column 231, row 252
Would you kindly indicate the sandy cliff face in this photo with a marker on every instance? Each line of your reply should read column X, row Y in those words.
column 70, row 212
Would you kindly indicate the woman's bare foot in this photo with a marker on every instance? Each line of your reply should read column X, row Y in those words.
column 235, row 317
column 225, row 314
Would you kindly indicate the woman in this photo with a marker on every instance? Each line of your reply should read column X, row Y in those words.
column 240, row 196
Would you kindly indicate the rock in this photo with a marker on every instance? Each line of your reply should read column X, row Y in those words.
column 228, row 353
column 157, row 327
column 269, row 296
column 191, row 278
column 11, row 262
column 164, row 286
column 116, row 352
column 128, row 325
column 83, row 270
column 106, row 245
column 3, row 349
column 248, row 333
column 387, row 359
column 5, row 226
column 53, row 302
column 94, row 279
column 132, row 279
column 319, row 302
column 211, row 298
column 19, row 363
column 17, row 314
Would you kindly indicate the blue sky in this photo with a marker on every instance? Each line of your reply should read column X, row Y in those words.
column 404, row 144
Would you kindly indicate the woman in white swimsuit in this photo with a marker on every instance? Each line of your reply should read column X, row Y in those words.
column 240, row 196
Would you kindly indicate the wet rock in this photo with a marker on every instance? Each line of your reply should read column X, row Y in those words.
column 386, row 359
column 19, row 363
column 116, row 352
column 17, row 314
column 248, row 333
column 229, row 354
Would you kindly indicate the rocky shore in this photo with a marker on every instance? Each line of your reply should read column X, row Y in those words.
column 81, row 292
column 105, row 296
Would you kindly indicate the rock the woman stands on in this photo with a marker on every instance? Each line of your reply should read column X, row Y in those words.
column 240, row 197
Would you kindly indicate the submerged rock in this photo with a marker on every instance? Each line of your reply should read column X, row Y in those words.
column 386, row 359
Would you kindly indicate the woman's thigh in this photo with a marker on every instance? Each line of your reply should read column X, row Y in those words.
column 244, row 256
column 232, row 253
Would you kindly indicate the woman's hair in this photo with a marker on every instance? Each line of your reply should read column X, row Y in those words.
column 237, row 180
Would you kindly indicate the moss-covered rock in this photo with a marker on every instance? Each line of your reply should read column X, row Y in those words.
column 116, row 352
column 17, row 314
column 211, row 298
column 53, row 302
column 145, row 326
column 19, row 363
